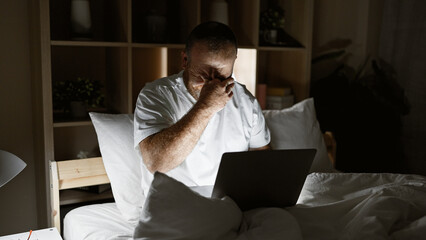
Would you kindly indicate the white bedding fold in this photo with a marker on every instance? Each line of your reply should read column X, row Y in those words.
column 269, row 223
column 97, row 222
column 361, row 206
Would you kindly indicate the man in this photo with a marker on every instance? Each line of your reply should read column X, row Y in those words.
column 185, row 122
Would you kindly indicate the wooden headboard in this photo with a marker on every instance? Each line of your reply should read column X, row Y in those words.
column 73, row 174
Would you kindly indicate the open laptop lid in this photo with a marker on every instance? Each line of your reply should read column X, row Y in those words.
column 271, row 178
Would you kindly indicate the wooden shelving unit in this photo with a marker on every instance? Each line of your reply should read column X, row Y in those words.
column 119, row 56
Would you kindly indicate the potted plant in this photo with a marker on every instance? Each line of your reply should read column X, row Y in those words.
column 271, row 22
column 76, row 95
column 272, row 18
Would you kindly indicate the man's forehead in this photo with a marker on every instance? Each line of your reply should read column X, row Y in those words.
column 211, row 65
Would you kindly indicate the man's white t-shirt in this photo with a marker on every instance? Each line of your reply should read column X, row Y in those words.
column 240, row 125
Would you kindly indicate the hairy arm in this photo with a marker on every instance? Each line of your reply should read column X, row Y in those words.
column 266, row 147
column 168, row 148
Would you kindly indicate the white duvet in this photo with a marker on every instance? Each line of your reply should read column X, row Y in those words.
column 331, row 206
column 362, row 206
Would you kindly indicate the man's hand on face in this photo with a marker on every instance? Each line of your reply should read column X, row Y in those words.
column 216, row 93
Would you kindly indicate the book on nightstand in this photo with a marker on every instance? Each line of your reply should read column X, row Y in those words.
column 279, row 102
column 278, row 91
column 279, row 98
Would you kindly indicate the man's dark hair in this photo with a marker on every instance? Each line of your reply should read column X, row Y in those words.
column 215, row 34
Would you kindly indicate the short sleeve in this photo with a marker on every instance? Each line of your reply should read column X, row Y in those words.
column 152, row 114
column 260, row 135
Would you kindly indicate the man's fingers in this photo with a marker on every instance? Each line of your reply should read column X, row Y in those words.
column 220, row 87
column 228, row 84
column 229, row 80
column 228, row 88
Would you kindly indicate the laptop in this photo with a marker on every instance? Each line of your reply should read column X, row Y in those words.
column 270, row 178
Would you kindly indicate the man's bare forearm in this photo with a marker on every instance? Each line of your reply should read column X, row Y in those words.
column 168, row 148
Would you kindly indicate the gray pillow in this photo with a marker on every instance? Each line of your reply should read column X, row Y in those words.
column 173, row 211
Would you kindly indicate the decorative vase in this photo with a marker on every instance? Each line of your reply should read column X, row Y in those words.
column 155, row 27
column 270, row 36
column 219, row 11
column 81, row 22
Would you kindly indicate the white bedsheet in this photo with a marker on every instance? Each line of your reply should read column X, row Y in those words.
column 331, row 206
column 97, row 222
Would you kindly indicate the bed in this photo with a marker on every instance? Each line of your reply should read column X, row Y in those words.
column 332, row 205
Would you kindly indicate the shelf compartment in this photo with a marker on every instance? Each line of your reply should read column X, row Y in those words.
column 174, row 60
column 243, row 24
column 70, row 141
column 109, row 65
column 175, row 19
column 298, row 16
column 298, row 20
column 108, row 17
column 148, row 64
column 245, row 68
column 283, row 69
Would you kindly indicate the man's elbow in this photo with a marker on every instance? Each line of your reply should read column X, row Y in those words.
column 152, row 168
column 150, row 163
column 147, row 158
column 158, row 157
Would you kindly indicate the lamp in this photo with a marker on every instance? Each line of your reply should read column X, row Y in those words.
column 10, row 166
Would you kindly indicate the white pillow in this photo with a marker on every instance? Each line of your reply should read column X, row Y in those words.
column 121, row 160
column 297, row 127
column 173, row 211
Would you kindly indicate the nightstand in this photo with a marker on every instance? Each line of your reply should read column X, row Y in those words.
column 43, row 234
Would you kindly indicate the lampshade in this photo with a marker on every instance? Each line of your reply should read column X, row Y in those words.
column 10, row 166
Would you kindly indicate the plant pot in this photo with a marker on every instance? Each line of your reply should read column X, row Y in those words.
column 270, row 36
column 78, row 109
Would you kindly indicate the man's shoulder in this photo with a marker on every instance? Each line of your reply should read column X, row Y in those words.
column 243, row 93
